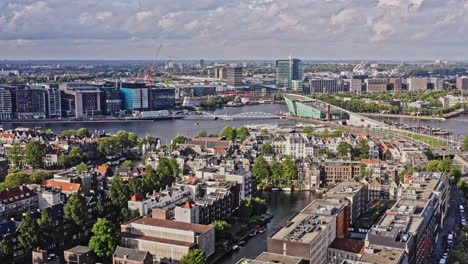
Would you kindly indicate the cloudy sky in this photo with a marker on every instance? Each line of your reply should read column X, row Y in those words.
column 234, row 29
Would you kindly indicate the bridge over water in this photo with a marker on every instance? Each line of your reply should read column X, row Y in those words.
column 240, row 116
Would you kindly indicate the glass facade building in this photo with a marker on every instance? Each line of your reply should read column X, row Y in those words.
column 287, row 71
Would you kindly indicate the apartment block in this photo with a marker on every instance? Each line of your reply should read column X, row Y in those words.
column 417, row 84
column 352, row 193
column 308, row 234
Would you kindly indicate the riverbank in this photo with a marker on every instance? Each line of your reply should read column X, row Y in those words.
column 402, row 116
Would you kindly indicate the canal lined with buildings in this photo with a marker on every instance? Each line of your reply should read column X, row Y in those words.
column 283, row 206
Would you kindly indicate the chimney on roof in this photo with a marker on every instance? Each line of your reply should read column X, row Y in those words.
column 125, row 256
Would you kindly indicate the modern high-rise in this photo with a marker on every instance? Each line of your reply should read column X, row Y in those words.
column 53, row 99
column 81, row 99
column 417, row 84
column 287, row 71
column 462, row 84
column 161, row 98
column 6, row 109
column 220, row 73
column 234, row 77
column 135, row 96
column 376, row 85
column 30, row 103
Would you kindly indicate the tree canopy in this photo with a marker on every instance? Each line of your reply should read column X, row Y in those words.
column 75, row 211
column 33, row 154
column 28, row 235
column 195, row 256
column 105, row 238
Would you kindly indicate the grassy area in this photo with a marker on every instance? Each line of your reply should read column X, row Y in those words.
column 429, row 141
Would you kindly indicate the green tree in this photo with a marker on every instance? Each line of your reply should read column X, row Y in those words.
column 246, row 208
column 289, row 170
column 5, row 252
column 150, row 180
column 465, row 143
column 33, row 154
column 75, row 211
column 68, row 133
column 175, row 167
column 165, row 172
column 276, row 172
column 202, row 133
column 344, row 149
column 127, row 215
column 127, row 164
column 49, row 131
column 15, row 154
column 28, row 235
column 105, row 238
column 267, row 149
column 261, row 169
column 213, row 135
column 242, row 133
column 263, row 132
column 108, row 146
column 119, row 193
column 230, row 133
column 195, row 256
column 101, row 209
column 82, row 167
column 308, row 130
column 178, row 140
column 135, row 185
column 221, row 228
column 46, row 228
column 83, row 132
column 361, row 151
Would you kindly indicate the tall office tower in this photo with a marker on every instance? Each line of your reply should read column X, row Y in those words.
column 220, row 73
column 395, row 84
column 355, row 85
column 202, row 63
column 376, row 85
column 135, row 96
column 462, row 84
column 30, row 103
column 6, row 107
column 417, row 84
column 287, row 71
column 326, row 85
column 234, row 77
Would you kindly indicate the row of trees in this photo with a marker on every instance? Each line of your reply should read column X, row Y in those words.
column 234, row 134
column 31, row 155
column 274, row 173
column 13, row 180
column 358, row 152
column 153, row 179
column 116, row 145
column 252, row 207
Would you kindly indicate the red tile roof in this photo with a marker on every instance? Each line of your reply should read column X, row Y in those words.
column 191, row 179
column 17, row 194
column 65, row 186
column 188, row 204
column 102, row 168
column 137, row 197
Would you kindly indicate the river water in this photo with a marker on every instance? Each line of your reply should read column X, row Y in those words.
column 283, row 206
column 166, row 129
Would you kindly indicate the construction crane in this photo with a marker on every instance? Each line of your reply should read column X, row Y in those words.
column 149, row 72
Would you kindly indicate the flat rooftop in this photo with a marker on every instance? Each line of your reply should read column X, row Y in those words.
column 197, row 228
column 344, row 189
column 383, row 255
column 303, row 228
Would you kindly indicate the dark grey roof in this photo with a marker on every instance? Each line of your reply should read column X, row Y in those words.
column 132, row 254
column 79, row 250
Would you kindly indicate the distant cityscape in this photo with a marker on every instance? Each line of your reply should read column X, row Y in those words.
column 30, row 91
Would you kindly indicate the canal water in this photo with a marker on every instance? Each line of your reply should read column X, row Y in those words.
column 283, row 206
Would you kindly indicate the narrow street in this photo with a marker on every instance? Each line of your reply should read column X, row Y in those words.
column 452, row 223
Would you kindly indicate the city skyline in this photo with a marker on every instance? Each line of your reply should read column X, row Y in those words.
column 215, row 30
